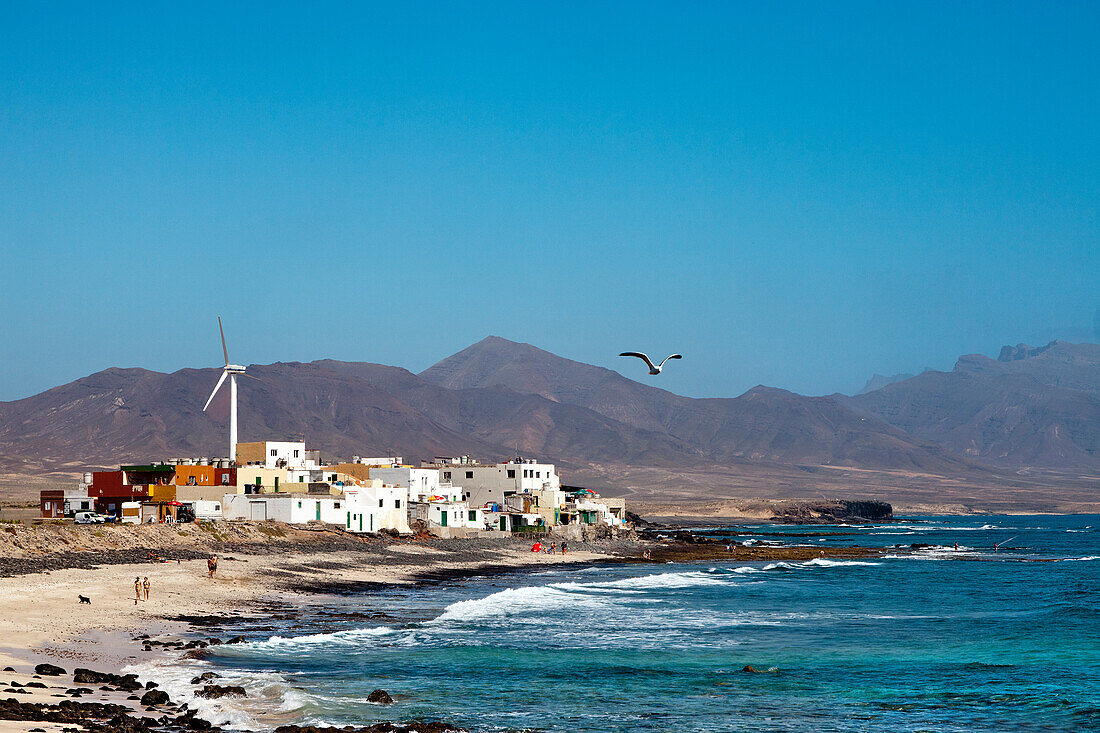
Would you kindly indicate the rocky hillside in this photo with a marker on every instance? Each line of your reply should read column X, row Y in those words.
column 1030, row 407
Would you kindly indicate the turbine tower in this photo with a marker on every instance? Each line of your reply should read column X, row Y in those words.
column 232, row 371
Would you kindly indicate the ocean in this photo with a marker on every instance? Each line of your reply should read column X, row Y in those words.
column 943, row 639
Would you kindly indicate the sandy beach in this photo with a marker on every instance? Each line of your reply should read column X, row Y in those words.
column 43, row 621
column 265, row 571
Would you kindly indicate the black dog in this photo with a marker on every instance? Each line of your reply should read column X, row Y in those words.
column 85, row 599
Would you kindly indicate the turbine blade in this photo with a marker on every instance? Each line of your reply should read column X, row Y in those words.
column 242, row 374
column 225, row 351
column 216, row 388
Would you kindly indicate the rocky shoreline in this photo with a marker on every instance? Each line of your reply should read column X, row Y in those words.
column 347, row 570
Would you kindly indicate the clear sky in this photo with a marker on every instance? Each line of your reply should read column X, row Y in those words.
column 797, row 195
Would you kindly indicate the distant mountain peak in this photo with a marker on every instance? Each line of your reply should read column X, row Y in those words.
column 1022, row 351
column 878, row 381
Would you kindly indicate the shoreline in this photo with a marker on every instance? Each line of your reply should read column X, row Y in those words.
column 43, row 622
column 40, row 613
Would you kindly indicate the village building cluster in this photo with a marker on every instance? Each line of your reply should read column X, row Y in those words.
column 286, row 482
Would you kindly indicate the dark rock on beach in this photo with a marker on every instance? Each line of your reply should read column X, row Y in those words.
column 381, row 697
column 211, row 692
column 92, row 716
column 83, row 676
column 50, row 670
column 204, row 677
column 154, row 697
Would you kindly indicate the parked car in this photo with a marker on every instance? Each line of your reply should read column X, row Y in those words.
column 89, row 518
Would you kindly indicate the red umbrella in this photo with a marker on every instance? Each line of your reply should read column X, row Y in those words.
column 174, row 503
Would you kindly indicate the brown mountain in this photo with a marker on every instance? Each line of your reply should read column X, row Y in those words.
column 1030, row 407
column 498, row 396
column 1058, row 364
column 345, row 408
column 762, row 425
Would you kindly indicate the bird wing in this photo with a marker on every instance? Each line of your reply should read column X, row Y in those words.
column 671, row 356
column 640, row 355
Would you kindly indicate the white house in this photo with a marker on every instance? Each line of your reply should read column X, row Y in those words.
column 371, row 509
column 289, row 508
column 421, row 482
column 204, row 509
column 277, row 454
column 450, row 518
column 490, row 483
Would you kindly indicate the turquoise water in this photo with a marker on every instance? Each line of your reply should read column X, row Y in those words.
column 946, row 640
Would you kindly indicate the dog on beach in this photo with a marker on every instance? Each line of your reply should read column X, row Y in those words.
column 85, row 599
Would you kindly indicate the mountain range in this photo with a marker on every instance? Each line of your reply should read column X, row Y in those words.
column 981, row 426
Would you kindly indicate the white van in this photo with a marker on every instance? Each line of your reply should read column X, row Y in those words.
column 88, row 518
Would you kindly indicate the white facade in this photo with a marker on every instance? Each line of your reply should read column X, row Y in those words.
column 284, row 455
column 483, row 484
column 204, row 509
column 78, row 501
column 596, row 512
column 421, row 482
column 372, row 509
column 288, row 508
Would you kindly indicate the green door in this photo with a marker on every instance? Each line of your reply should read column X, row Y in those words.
column 318, row 511
column 443, row 519
column 360, row 522
column 349, row 520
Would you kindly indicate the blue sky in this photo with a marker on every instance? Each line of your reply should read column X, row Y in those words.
column 792, row 194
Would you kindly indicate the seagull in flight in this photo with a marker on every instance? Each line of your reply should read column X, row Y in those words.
column 652, row 369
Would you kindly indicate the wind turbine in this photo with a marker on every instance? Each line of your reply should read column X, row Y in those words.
column 232, row 371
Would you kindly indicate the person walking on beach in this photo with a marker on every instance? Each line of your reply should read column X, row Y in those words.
column 145, row 587
column 553, row 547
column 564, row 548
column 212, row 565
column 137, row 590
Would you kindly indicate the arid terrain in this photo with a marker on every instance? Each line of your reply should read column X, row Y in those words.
column 1016, row 433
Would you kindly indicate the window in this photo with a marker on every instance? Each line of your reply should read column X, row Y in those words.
column 274, row 452
column 469, row 474
column 217, row 507
column 511, row 473
column 299, row 505
column 301, row 479
column 336, row 505
column 333, row 477
column 473, row 516
column 538, row 474
column 525, row 472
column 446, row 475
column 295, row 454
column 396, row 503
column 380, row 504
